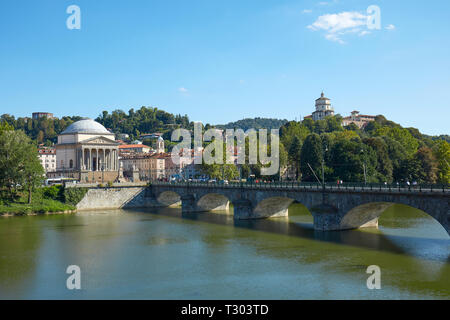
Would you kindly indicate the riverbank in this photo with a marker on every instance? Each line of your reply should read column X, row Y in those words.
column 44, row 207
column 45, row 200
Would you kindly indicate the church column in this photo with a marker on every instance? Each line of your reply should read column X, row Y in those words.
column 116, row 159
column 106, row 160
column 96, row 160
column 89, row 159
column 82, row 159
column 113, row 160
column 109, row 159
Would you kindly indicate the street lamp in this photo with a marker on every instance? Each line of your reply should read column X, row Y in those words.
column 364, row 166
column 323, row 166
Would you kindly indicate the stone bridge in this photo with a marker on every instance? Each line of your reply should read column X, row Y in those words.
column 332, row 207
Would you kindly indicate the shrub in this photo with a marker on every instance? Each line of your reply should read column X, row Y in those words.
column 74, row 195
column 53, row 192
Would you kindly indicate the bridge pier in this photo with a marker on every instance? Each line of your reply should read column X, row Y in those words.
column 188, row 203
column 243, row 209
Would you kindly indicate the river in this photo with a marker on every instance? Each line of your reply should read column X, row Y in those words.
column 157, row 254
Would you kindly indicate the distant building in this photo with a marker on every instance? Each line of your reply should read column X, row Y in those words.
column 323, row 109
column 134, row 148
column 47, row 156
column 122, row 136
column 149, row 166
column 160, row 145
column 38, row 115
column 185, row 168
column 360, row 120
column 155, row 135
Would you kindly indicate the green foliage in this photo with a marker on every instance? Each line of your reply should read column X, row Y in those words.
column 144, row 120
column 311, row 157
column 425, row 160
column 53, row 192
column 254, row 123
column 42, row 130
column 20, row 167
column 45, row 199
column 403, row 136
column 74, row 195
column 384, row 167
column 442, row 154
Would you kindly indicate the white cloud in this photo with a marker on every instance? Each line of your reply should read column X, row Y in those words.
column 183, row 90
column 390, row 27
column 338, row 24
column 307, row 11
column 364, row 33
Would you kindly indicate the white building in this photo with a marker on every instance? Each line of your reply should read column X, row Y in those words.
column 86, row 151
column 160, row 145
column 323, row 109
column 360, row 120
column 47, row 156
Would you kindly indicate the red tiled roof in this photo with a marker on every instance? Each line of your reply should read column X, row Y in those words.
column 133, row 146
column 47, row 151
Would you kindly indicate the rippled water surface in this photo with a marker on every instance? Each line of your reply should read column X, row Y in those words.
column 157, row 254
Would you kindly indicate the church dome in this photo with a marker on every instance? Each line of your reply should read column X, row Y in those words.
column 86, row 126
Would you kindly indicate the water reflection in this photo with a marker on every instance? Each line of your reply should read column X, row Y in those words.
column 146, row 254
column 20, row 239
column 428, row 243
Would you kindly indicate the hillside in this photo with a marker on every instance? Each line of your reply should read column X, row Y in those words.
column 255, row 123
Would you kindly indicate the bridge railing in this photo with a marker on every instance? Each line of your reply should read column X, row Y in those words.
column 362, row 187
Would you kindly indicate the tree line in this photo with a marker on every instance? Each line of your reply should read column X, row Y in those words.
column 382, row 151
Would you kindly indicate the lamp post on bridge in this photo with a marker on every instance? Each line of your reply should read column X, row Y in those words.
column 364, row 166
column 323, row 166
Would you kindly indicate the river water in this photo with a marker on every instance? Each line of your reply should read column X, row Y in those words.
column 157, row 254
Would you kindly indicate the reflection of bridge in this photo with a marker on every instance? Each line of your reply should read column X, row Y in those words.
column 333, row 207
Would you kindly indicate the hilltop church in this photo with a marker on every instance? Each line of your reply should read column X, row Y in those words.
column 323, row 109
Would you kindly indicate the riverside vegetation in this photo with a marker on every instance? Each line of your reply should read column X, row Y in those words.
column 22, row 176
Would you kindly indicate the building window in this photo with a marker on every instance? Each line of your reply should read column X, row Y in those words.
column 71, row 164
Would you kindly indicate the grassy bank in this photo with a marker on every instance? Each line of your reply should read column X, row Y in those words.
column 44, row 200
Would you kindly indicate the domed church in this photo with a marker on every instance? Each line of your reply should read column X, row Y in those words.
column 87, row 152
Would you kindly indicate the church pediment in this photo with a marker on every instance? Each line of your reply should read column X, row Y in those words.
column 99, row 140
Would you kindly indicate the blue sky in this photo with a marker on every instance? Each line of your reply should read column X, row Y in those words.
column 220, row 61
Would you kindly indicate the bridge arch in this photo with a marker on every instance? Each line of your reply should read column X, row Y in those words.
column 273, row 207
column 368, row 214
column 169, row 198
column 213, row 202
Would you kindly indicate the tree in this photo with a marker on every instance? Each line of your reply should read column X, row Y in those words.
column 19, row 163
column 403, row 136
column 442, row 154
column 294, row 155
column 384, row 167
column 351, row 159
column 311, row 155
column 428, row 164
